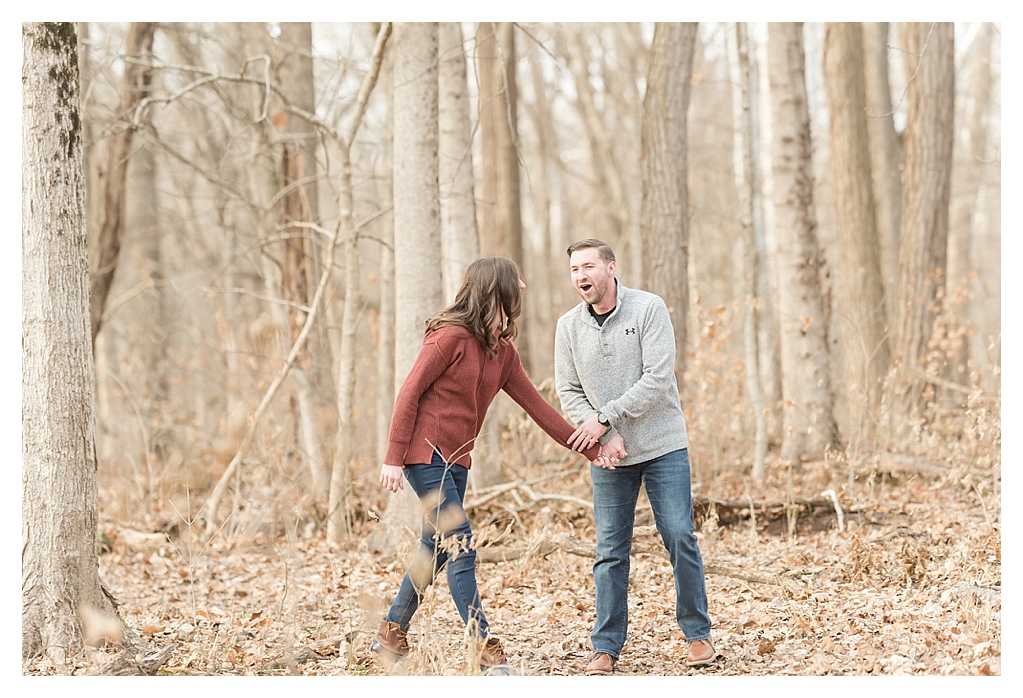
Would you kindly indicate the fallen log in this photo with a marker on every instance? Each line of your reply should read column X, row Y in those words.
column 562, row 542
column 727, row 511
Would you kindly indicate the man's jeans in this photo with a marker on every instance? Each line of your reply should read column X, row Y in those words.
column 614, row 510
column 446, row 538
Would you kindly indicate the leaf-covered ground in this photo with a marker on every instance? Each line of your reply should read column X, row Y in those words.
column 910, row 585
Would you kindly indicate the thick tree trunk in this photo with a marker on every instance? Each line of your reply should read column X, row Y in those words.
column 809, row 423
column 747, row 184
column 664, row 216
column 885, row 153
column 417, row 228
column 925, row 209
column 861, row 309
column 134, row 88
column 60, row 570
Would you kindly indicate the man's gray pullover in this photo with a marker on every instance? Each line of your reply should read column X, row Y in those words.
column 624, row 369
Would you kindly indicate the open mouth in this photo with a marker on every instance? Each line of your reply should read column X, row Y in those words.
column 585, row 287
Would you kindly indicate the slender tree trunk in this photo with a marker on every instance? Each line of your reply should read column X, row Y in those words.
column 460, row 244
column 809, row 423
column 925, row 208
column 609, row 195
column 970, row 154
column 499, row 206
column 338, row 519
column 746, row 184
column 416, row 225
column 863, row 319
column 134, row 88
column 548, row 261
column 299, row 204
column 885, row 154
column 664, row 218
column 60, row 570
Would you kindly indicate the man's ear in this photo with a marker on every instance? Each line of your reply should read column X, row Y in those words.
column 611, row 266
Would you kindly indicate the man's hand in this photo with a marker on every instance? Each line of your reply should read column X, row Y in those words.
column 611, row 453
column 588, row 433
column 391, row 477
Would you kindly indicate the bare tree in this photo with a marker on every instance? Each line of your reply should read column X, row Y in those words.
column 663, row 221
column 299, row 206
column 970, row 153
column 59, row 566
column 885, row 153
column 460, row 244
column 338, row 524
column 747, row 183
column 134, row 89
column 417, row 295
column 499, row 206
column 930, row 65
column 860, row 302
column 809, row 423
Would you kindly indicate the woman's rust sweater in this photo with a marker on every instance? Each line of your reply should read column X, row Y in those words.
column 444, row 398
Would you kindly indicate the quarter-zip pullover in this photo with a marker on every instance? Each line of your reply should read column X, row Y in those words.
column 625, row 369
column 443, row 400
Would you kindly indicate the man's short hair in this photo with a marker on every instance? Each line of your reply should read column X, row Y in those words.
column 607, row 255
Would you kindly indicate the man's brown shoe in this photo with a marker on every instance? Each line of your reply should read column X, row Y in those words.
column 391, row 640
column 602, row 664
column 700, row 652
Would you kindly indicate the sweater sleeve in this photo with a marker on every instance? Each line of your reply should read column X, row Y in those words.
column 430, row 363
column 521, row 390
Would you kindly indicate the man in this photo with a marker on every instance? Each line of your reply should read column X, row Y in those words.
column 614, row 373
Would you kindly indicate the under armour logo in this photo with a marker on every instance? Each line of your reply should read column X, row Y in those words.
column 631, row 330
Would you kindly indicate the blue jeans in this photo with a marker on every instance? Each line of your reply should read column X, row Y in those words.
column 445, row 542
column 615, row 493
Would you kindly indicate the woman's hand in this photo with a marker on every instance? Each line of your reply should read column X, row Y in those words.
column 391, row 477
column 611, row 453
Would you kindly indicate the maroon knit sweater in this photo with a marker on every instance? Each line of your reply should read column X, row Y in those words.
column 446, row 394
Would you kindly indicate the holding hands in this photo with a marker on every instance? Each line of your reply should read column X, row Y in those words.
column 611, row 453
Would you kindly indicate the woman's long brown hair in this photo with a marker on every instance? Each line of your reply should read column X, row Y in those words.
column 491, row 284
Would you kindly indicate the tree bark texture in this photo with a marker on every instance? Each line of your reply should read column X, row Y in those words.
column 609, row 197
column 860, row 304
column 925, row 209
column 134, row 89
column 747, row 184
column 970, row 153
column 885, row 153
column 299, row 204
column 338, row 519
column 460, row 244
column 60, row 571
column 499, row 204
column 809, row 423
column 417, row 295
column 664, row 214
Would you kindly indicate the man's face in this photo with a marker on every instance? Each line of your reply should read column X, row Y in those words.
column 590, row 274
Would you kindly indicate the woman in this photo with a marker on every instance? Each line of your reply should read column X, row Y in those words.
column 467, row 356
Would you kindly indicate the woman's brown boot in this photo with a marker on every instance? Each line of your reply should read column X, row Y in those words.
column 391, row 640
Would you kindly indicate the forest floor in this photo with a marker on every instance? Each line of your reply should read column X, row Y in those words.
column 906, row 581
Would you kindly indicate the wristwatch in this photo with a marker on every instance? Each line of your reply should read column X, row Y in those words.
column 602, row 419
